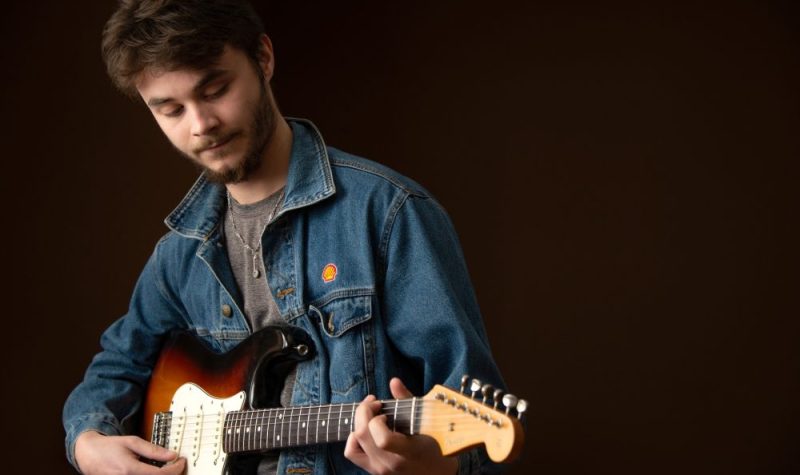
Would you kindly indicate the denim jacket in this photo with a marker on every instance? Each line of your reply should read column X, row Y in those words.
column 399, row 304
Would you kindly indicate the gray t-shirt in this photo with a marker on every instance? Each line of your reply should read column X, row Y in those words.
column 251, row 277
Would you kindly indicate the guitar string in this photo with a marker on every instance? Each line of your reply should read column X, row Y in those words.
column 260, row 441
column 327, row 410
column 244, row 419
column 291, row 433
column 188, row 426
column 324, row 422
column 267, row 418
column 191, row 423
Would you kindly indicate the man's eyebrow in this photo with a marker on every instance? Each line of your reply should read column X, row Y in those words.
column 207, row 78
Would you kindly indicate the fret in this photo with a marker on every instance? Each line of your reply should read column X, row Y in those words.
column 352, row 417
column 292, row 425
column 252, row 434
column 240, row 431
column 248, row 443
column 394, row 417
column 236, row 429
column 327, row 424
column 308, row 424
column 413, row 413
column 266, row 436
column 319, row 416
column 339, row 425
column 299, row 418
column 260, row 429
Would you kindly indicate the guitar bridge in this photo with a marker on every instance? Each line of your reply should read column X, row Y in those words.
column 162, row 422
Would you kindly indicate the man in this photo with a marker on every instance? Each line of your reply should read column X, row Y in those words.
column 279, row 229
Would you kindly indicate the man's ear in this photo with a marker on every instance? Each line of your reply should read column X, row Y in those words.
column 266, row 58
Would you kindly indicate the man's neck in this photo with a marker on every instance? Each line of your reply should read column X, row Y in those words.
column 271, row 175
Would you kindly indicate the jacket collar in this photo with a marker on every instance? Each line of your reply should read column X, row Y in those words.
column 309, row 181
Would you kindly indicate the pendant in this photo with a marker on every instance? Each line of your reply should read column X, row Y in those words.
column 256, row 273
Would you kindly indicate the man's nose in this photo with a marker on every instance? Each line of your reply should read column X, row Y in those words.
column 204, row 120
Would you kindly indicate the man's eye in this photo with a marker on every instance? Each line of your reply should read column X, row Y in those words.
column 174, row 112
column 218, row 93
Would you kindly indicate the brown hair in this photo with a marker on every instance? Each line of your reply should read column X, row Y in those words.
column 172, row 34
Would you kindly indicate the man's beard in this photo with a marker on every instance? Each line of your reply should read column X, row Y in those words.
column 262, row 128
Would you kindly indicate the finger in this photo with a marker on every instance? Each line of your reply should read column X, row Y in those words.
column 385, row 438
column 361, row 448
column 175, row 468
column 364, row 413
column 354, row 453
column 151, row 451
column 399, row 390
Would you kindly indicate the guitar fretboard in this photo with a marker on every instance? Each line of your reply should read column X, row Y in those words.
column 265, row 429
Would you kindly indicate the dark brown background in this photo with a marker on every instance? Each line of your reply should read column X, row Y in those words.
column 622, row 177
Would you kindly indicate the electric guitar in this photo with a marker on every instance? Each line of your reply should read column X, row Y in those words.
column 215, row 409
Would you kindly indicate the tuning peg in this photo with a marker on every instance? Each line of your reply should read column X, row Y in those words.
column 498, row 395
column 522, row 406
column 510, row 401
column 487, row 391
column 475, row 387
column 464, row 380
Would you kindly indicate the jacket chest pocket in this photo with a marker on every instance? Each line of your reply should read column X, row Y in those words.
column 346, row 328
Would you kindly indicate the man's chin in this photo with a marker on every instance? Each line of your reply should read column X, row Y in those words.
column 225, row 176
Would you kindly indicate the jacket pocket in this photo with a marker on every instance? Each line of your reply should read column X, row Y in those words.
column 346, row 324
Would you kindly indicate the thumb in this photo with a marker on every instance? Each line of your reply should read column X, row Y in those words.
column 176, row 468
column 151, row 451
column 399, row 390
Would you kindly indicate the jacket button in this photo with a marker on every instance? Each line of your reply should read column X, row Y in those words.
column 226, row 310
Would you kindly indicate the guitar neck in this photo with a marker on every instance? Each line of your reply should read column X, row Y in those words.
column 266, row 429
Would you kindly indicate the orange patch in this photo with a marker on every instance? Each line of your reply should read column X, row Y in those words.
column 329, row 273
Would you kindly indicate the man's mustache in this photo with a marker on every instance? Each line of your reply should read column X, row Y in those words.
column 213, row 141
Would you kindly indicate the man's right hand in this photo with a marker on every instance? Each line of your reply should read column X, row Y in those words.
column 98, row 454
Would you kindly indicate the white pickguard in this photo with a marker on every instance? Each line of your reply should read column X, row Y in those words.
column 196, row 429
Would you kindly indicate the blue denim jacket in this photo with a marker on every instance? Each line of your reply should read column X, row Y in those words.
column 401, row 303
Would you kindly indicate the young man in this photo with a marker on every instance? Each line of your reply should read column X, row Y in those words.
column 278, row 229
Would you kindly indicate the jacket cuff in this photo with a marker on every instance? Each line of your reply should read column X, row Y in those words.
column 102, row 423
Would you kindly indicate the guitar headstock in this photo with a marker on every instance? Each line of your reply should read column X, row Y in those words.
column 459, row 421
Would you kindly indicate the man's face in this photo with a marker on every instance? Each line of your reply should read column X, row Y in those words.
column 221, row 118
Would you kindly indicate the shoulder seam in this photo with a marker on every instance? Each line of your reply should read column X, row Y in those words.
column 339, row 162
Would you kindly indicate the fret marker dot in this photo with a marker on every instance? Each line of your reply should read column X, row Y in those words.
column 278, row 437
column 304, row 425
column 323, row 423
column 347, row 421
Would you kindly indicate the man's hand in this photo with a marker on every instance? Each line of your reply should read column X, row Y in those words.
column 378, row 450
column 97, row 454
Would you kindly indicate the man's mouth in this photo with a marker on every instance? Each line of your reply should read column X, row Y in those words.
column 216, row 144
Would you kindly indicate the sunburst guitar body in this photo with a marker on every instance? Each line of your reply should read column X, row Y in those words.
column 219, row 410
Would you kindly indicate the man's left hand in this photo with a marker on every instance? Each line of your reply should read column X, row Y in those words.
column 378, row 450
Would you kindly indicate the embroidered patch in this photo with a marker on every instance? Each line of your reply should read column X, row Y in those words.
column 329, row 273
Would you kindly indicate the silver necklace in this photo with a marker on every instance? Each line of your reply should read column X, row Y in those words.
column 254, row 251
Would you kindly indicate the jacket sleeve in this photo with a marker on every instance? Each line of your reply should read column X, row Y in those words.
column 111, row 393
column 430, row 309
